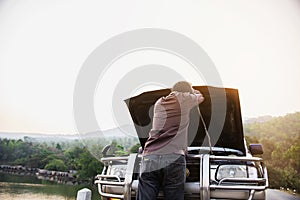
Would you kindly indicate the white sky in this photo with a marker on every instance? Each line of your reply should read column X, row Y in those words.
column 255, row 46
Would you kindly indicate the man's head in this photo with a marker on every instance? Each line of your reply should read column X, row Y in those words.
column 183, row 86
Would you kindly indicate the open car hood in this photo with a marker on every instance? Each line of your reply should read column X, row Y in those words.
column 224, row 123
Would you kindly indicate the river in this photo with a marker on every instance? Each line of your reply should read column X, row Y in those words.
column 16, row 187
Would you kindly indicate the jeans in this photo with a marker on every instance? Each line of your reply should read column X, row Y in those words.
column 162, row 173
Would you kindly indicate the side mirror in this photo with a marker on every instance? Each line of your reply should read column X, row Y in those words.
column 104, row 150
column 256, row 149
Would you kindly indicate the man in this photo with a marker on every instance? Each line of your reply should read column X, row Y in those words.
column 163, row 163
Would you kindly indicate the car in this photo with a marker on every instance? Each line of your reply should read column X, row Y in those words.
column 219, row 163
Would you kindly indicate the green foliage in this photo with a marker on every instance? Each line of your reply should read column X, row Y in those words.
column 88, row 165
column 62, row 156
column 280, row 137
column 56, row 165
column 135, row 148
column 72, row 155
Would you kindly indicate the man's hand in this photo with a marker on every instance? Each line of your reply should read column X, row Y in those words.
column 198, row 95
column 196, row 91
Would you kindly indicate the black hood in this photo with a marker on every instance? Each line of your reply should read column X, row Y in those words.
column 220, row 110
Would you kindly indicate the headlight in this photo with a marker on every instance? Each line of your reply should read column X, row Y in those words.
column 118, row 170
column 236, row 171
column 252, row 172
column 231, row 171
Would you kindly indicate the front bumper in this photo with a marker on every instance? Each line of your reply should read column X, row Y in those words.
column 227, row 188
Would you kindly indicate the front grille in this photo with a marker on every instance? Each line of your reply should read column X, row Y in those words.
column 193, row 169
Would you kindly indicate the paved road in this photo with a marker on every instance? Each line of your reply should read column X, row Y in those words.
column 279, row 195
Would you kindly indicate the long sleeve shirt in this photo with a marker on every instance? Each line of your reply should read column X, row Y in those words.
column 170, row 123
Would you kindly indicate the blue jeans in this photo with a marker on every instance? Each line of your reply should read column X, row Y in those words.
column 162, row 173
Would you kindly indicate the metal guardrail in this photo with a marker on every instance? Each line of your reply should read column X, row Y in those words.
column 108, row 159
column 237, row 187
column 204, row 188
column 264, row 179
column 255, row 159
column 126, row 184
column 243, row 180
column 205, row 160
column 101, row 183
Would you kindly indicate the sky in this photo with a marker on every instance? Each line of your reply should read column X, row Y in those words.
column 254, row 45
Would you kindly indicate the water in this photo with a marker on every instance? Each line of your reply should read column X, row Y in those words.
column 15, row 187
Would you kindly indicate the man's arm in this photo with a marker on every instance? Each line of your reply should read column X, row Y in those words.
column 199, row 97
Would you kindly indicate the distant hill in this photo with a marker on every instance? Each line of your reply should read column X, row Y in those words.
column 268, row 127
column 39, row 137
column 258, row 119
column 123, row 131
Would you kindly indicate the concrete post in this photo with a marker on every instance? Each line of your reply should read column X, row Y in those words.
column 84, row 194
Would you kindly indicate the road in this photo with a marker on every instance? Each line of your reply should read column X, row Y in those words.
column 279, row 195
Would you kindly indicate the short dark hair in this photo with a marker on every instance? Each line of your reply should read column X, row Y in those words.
column 182, row 86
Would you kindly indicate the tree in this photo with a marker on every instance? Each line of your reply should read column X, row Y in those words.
column 135, row 148
column 280, row 137
column 56, row 165
column 89, row 166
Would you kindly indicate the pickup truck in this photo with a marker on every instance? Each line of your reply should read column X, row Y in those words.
column 224, row 168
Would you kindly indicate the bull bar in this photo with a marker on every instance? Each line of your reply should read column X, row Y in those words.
column 205, row 189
